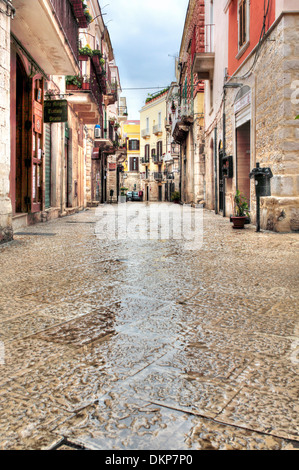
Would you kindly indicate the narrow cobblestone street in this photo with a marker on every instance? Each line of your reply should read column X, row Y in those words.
column 116, row 344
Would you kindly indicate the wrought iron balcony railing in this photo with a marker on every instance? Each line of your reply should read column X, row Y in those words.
column 158, row 176
column 65, row 15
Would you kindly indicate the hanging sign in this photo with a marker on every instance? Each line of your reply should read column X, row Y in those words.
column 55, row 111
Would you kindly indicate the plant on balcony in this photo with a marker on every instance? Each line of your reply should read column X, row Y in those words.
column 156, row 95
column 97, row 52
column 85, row 83
column 86, row 51
column 88, row 16
column 73, row 82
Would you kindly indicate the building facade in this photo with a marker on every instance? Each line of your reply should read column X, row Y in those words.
column 153, row 147
column 53, row 160
column 172, row 156
column 251, row 75
column 188, row 117
column 131, row 166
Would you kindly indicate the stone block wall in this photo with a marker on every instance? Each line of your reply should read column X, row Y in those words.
column 277, row 131
column 274, row 84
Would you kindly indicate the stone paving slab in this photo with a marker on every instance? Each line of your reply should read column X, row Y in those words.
column 125, row 344
column 249, row 409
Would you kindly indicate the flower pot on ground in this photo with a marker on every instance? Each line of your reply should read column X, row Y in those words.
column 241, row 215
column 175, row 197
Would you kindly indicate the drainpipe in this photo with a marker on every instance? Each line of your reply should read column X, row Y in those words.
column 224, row 147
column 215, row 171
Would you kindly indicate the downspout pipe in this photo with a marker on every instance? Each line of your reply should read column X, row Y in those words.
column 215, row 170
column 224, row 147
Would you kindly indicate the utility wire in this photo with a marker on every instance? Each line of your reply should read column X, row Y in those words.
column 259, row 46
column 147, row 88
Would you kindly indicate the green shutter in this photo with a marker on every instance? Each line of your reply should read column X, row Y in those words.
column 47, row 166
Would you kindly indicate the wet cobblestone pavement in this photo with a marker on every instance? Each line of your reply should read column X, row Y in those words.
column 145, row 345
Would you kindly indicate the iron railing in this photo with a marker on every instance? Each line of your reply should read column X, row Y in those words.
column 202, row 40
column 158, row 176
column 68, row 23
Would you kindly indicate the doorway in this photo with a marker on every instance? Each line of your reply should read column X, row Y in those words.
column 221, row 179
column 20, row 174
column 160, row 193
column 243, row 134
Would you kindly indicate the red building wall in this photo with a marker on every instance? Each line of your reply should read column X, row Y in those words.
column 195, row 40
column 256, row 25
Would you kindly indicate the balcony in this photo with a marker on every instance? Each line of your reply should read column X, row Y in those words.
column 157, row 159
column 48, row 30
column 169, row 175
column 86, row 95
column 183, row 120
column 157, row 130
column 145, row 161
column 202, row 52
column 158, row 176
column 145, row 134
column 186, row 111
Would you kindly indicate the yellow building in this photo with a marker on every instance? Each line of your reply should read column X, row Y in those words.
column 131, row 175
column 153, row 147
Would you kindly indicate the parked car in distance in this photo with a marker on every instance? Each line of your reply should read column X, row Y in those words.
column 136, row 196
column 129, row 196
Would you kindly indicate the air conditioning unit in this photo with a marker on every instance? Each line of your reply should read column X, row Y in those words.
column 97, row 133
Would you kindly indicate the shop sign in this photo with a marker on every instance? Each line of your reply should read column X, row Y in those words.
column 243, row 102
column 55, row 111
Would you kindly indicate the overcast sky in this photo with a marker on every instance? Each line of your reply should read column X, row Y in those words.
column 145, row 36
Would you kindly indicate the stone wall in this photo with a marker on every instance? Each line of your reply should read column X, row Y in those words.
column 274, row 85
column 277, row 130
column 6, row 232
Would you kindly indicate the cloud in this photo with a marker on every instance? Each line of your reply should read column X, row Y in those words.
column 145, row 36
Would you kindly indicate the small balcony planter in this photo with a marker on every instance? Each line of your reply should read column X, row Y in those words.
column 73, row 82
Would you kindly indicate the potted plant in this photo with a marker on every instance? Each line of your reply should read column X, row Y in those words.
column 73, row 82
column 85, row 52
column 123, row 197
column 175, row 197
column 85, row 83
column 241, row 211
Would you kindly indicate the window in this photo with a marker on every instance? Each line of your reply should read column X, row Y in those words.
column 134, row 164
column 160, row 120
column 134, row 144
column 159, row 148
column 243, row 17
column 147, row 152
